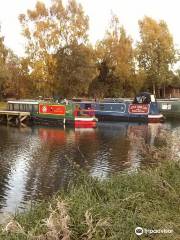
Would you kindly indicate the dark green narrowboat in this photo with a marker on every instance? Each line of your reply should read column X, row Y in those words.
column 170, row 108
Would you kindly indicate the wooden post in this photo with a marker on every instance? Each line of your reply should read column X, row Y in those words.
column 22, row 118
column 17, row 121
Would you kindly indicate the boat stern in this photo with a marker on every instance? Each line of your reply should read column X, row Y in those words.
column 156, row 118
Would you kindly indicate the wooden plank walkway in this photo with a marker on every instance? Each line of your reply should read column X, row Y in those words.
column 17, row 116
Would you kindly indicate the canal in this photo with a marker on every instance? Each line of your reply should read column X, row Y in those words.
column 38, row 161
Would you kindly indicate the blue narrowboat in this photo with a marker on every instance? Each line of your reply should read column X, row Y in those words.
column 143, row 108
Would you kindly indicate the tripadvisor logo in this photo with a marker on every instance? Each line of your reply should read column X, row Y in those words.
column 139, row 231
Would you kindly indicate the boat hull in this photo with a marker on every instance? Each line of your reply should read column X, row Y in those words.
column 85, row 124
column 46, row 121
column 156, row 118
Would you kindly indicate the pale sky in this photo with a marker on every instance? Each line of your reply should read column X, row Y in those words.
column 99, row 12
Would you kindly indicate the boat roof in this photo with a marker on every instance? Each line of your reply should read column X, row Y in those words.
column 168, row 100
column 115, row 100
column 24, row 102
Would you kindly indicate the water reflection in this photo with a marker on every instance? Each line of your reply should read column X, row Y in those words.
column 35, row 162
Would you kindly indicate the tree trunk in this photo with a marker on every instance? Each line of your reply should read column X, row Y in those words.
column 164, row 91
column 154, row 89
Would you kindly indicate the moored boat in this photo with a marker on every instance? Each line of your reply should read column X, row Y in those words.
column 143, row 108
column 170, row 108
column 49, row 113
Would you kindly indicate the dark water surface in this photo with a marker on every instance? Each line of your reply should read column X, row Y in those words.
column 35, row 162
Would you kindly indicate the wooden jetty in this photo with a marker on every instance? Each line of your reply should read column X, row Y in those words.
column 14, row 116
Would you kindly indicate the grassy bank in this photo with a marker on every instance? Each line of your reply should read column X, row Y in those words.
column 108, row 209
column 3, row 105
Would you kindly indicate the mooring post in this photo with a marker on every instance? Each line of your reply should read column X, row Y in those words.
column 17, row 121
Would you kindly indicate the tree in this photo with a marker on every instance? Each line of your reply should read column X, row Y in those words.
column 17, row 83
column 117, row 51
column 46, row 31
column 106, row 84
column 11, row 86
column 176, row 78
column 3, row 67
column 75, row 69
column 98, row 87
column 155, row 52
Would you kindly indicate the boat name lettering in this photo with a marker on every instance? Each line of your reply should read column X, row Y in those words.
column 52, row 109
column 139, row 108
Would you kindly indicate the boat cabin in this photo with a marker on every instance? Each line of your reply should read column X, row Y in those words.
column 24, row 106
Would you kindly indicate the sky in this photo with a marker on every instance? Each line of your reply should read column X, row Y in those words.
column 99, row 12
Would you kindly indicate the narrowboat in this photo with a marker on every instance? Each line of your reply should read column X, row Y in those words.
column 143, row 108
column 170, row 108
column 50, row 113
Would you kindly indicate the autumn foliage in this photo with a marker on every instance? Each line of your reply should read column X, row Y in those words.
column 60, row 61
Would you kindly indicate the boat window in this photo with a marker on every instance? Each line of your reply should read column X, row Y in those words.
column 118, row 107
column 115, row 107
column 21, row 107
column 101, row 106
column 30, row 108
column 10, row 107
column 16, row 107
column 35, row 108
column 108, row 107
column 27, row 107
column 87, row 105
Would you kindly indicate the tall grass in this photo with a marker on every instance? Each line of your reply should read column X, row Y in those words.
column 110, row 209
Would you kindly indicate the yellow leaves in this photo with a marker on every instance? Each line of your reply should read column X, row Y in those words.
column 22, row 18
column 32, row 14
column 42, row 44
column 57, row 9
column 155, row 32
column 42, row 26
column 155, row 52
column 48, row 29
column 117, row 49
column 40, row 11
column 55, row 25
column 27, row 33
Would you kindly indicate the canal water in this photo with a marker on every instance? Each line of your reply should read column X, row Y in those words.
column 38, row 161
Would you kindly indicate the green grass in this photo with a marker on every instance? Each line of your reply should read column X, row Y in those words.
column 3, row 105
column 109, row 209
